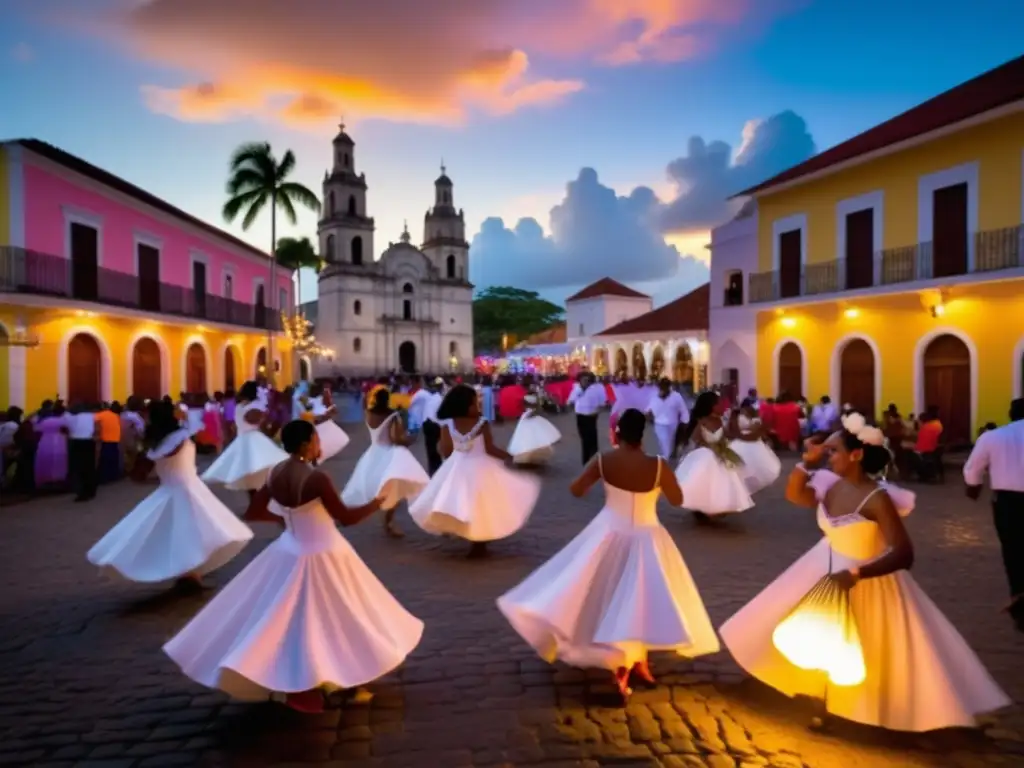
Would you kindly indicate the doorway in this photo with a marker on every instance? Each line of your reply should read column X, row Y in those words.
column 407, row 357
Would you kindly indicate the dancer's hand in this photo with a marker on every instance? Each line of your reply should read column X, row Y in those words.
column 813, row 454
column 846, row 579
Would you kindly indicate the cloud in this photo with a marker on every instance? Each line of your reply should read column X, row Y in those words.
column 595, row 233
column 710, row 172
column 23, row 52
column 305, row 62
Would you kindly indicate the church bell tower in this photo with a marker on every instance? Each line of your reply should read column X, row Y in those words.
column 345, row 231
column 444, row 233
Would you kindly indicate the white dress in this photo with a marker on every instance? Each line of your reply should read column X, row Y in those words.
column 921, row 674
column 305, row 613
column 385, row 471
column 245, row 463
column 473, row 495
column 709, row 486
column 535, row 437
column 617, row 591
column 332, row 437
column 761, row 467
column 180, row 528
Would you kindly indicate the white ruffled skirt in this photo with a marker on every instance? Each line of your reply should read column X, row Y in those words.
column 709, row 486
column 387, row 472
column 332, row 439
column 761, row 467
column 534, row 440
column 245, row 463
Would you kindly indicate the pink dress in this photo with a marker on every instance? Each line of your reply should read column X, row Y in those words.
column 52, row 453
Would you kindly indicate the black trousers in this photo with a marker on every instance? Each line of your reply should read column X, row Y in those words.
column 586, row 426
column 431, row 437
column 1008, row 512
column 82, row 468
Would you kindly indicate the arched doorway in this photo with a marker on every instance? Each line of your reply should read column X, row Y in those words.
column 621, row 362
column 639, row 364
column 947, row 386
column 682, row 366
column 791, row 370
column 85, row 370
column 147, row 370
column 195, row 369
column 857, row 377
column 601, row 361
column 230, row 372
column 407, row 357
column 658, row 362
column 261, row 362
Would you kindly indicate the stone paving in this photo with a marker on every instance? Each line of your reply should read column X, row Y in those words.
column 83, row 680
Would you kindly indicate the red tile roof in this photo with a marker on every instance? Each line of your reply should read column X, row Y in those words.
column 687, row 313
column 996, row 88
column 606, row 287
column 107, row 179
column 556, row 334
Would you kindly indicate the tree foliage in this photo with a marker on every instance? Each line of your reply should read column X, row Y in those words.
column 502, row 310
column 298, row 254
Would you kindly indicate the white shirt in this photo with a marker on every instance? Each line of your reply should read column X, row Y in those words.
column 417, row 404
column 81, row 426
column 430, row 405
column 823, row 416
column 669, row 410
column 587, row 402
column 1001, row 453
column 7, row 430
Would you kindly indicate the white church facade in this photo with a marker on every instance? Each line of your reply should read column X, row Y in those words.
column 410, row 310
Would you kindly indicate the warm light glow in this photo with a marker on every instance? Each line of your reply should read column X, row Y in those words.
column 83, row 313
column 201, row 328
column 851, row 313
column 938, row 310
column 817, row 637
column 789, row 322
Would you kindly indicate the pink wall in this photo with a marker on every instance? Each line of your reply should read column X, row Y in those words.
column 53, row 195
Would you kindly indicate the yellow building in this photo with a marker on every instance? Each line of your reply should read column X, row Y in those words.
column 891, row 266
column 108, row 291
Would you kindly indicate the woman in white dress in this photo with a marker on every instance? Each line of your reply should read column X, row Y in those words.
column 534, row 439
column 920, row 674
column 620, row 589
column 306, row 614
column 244, row 464
column 387, row 470
column 332, row 437
column 181, row 531
column 761, row 467
column 711, row 474
column 474, row 495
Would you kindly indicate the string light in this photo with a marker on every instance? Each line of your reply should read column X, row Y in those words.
column 300, row 333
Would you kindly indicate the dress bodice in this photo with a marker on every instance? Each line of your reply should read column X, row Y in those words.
column 381, row 434
column 712, row 437
column 309, row 526
column 469, row 443
column 853, row 536
column 631, row 509
column 175, row 468
column 240, row 412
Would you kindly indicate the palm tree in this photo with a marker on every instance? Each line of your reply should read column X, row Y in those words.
column 298, row 255
column 257, row 178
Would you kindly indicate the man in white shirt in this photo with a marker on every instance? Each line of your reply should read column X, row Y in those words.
column 83, row 450
column 427, row 401
column 667, row 410
column 1000, row 453
column 587, row 398
column 823, row 417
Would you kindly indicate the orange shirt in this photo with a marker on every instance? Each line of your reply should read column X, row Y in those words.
column 928, row 436
column 110, row 426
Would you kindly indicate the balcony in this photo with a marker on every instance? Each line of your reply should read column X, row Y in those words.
column 31, row 273
column 994, row 251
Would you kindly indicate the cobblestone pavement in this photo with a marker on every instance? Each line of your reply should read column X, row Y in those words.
column 83, row 680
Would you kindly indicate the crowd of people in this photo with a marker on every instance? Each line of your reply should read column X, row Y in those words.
column 308, row 616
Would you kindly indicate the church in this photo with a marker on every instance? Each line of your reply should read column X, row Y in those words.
column 411, row 310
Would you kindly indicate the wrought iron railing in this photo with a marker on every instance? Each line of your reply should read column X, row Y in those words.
column 40, row 274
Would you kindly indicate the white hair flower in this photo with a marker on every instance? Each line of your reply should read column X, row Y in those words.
column 854, row 423
column 871, row 436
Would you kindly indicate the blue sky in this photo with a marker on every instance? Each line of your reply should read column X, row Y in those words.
column 693, row 70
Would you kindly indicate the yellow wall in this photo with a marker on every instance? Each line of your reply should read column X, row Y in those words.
column 996, row 146
column 988, row 314
column 117, row 334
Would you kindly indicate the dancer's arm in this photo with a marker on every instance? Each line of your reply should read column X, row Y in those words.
column 259, row 509
column 397, row 433
column 328, row 494
column 670, row 486
column 445, row 445
column 490, row 447
column 590, row 475
column 899, row 556
column 798, row 489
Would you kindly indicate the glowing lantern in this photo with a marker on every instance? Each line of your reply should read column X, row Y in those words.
column 821, row 634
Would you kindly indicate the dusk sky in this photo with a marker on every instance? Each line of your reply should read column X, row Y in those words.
column 601, row 122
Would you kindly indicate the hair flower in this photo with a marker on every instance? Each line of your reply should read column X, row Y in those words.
column 871, row 436
column 854, row 423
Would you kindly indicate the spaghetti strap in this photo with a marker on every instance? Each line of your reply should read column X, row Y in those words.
column 657, row 476
column 866, row 498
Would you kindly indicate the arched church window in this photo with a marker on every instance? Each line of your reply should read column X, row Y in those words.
column 407, row 288
column 347, row 160
column 357, row 307
column 330, row 203
column 407, row 310
column 330, row 248
column 446, row 198
column 453, row 348
column 351, row 205
column 357, row 344
column 357, row 250
column 450, row 266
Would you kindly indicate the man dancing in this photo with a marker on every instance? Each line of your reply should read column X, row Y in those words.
column 587, row 400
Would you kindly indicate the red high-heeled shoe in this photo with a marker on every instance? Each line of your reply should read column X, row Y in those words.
column 309, row 702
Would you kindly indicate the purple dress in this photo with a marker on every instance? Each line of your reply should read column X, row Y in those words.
column 52, row 452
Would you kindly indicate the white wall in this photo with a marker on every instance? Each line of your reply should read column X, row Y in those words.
column 588, row 317
column 732, row 336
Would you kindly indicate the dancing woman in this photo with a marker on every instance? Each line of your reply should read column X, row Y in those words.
column 920, row 674
column 620, row 589
column 332, row 437
column 306, row 614
column 534, row 439
column 181, row 530
column 761, row 467
column 710, row 475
